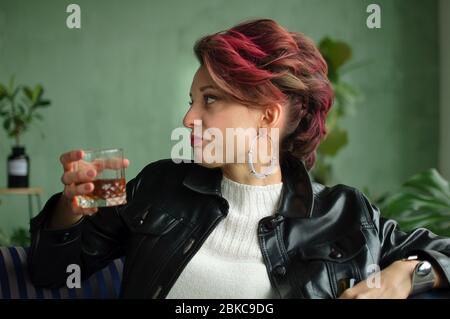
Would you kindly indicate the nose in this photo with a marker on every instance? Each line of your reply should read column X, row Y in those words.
column 189, row 117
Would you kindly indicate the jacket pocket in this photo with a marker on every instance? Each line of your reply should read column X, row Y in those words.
column 338, row 261
column 150, row 219
column 339, row 250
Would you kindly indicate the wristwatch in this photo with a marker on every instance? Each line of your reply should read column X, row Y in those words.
column 423, row 277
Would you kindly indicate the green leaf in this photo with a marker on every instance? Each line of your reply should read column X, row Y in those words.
column 422, row 201
column 431, row 183
column 43, row 103
column 346, row 97
column 21, row 108
column 334, row 141
column 7, row 123
column 14, row 93
column 3, row 92
column 37, row 93
column 336, row 54
column 20, row 237
column 28, row 93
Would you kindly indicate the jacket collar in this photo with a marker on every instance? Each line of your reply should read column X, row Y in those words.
column 297, row 197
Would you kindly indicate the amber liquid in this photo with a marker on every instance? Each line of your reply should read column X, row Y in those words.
column 108, row 188
column 107, row 192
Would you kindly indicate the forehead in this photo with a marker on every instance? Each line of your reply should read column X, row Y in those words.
column 201, row 78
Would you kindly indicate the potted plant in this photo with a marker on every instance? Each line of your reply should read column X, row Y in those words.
column 422, row 201
column 337, row 54
column 19, row 107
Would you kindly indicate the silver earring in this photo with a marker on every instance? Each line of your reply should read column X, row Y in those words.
column 269, row 170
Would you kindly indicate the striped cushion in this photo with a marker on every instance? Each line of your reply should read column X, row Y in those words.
column 15, row 282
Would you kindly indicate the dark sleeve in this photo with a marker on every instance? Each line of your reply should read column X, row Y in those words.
column 91, row 243
column 397, row 244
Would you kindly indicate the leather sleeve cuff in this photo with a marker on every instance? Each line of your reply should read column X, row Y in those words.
column 440, row 262
column 38, row 225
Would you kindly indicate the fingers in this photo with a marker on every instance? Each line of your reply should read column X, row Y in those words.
column 111, row 163
column 348, row 294
column 73, row 190
column 79, row 176
column 83, row 211
column 87, row 171
column 363, row 291
column 68, row 158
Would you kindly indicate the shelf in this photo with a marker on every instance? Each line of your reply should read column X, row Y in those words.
column 21, row 191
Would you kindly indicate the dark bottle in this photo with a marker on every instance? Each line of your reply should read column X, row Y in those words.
column 18, row 168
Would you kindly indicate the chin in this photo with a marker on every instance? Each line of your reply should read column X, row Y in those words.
column 210, row 165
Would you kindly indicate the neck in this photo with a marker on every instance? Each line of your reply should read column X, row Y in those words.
column 240, row 173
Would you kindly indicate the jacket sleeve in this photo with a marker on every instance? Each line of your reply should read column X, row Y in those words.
column 91, row 243
column 397, row 244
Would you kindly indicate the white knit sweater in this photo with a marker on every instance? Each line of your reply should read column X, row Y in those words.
column 229, row 264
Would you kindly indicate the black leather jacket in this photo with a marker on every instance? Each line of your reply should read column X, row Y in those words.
column 319, row 239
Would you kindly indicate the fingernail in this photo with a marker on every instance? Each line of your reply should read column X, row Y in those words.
column 87, row 187
column 91, row 173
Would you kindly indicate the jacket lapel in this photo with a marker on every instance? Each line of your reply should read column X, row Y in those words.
column 297, row 197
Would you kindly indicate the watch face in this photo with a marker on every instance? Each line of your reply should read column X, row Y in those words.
column 423, row 268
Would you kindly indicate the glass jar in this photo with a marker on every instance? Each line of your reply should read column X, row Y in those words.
column 18, row 168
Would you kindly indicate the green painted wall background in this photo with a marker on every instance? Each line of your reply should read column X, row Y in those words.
column 444, row 147
column 123, row 80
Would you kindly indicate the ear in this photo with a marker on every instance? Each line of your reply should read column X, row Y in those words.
column 271, row 116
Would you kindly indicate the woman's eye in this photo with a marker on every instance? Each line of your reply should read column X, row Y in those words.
column 190, row 103
column 210, row 99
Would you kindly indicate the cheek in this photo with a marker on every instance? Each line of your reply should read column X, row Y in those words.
column 231, row 118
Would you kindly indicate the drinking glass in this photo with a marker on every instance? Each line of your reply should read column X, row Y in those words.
column 109, row 183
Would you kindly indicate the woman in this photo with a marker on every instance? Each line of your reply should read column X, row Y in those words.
column 220, row 227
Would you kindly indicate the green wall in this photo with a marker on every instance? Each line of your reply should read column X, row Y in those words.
column 123, row 79
column 444, row 9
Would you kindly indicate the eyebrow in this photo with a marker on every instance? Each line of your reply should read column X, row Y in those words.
column 205, row 87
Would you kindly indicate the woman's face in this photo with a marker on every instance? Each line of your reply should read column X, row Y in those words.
column 216, row 137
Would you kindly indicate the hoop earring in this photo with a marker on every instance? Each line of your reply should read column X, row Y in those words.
column 269, row 170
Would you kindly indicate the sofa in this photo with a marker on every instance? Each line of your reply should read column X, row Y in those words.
column 104, row 284
column 15, row 282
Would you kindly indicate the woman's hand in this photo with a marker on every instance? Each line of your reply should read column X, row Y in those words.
column 78, row 180
column 395, row 282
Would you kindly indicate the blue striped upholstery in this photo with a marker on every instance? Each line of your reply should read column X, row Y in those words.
column 105, row 284
column 15, row 282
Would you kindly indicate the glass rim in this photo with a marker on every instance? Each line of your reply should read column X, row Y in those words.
column 103, row 150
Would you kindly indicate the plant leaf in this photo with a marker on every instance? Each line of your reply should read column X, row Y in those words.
column 43, row 103
column 3, row 92
column 37, row 93
column 7, row 123
column 336, row 53
column 334, row 141
column 422, row 201
column 21, row 108
column 430, row 182
column 14, row 93
column 28, row 93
